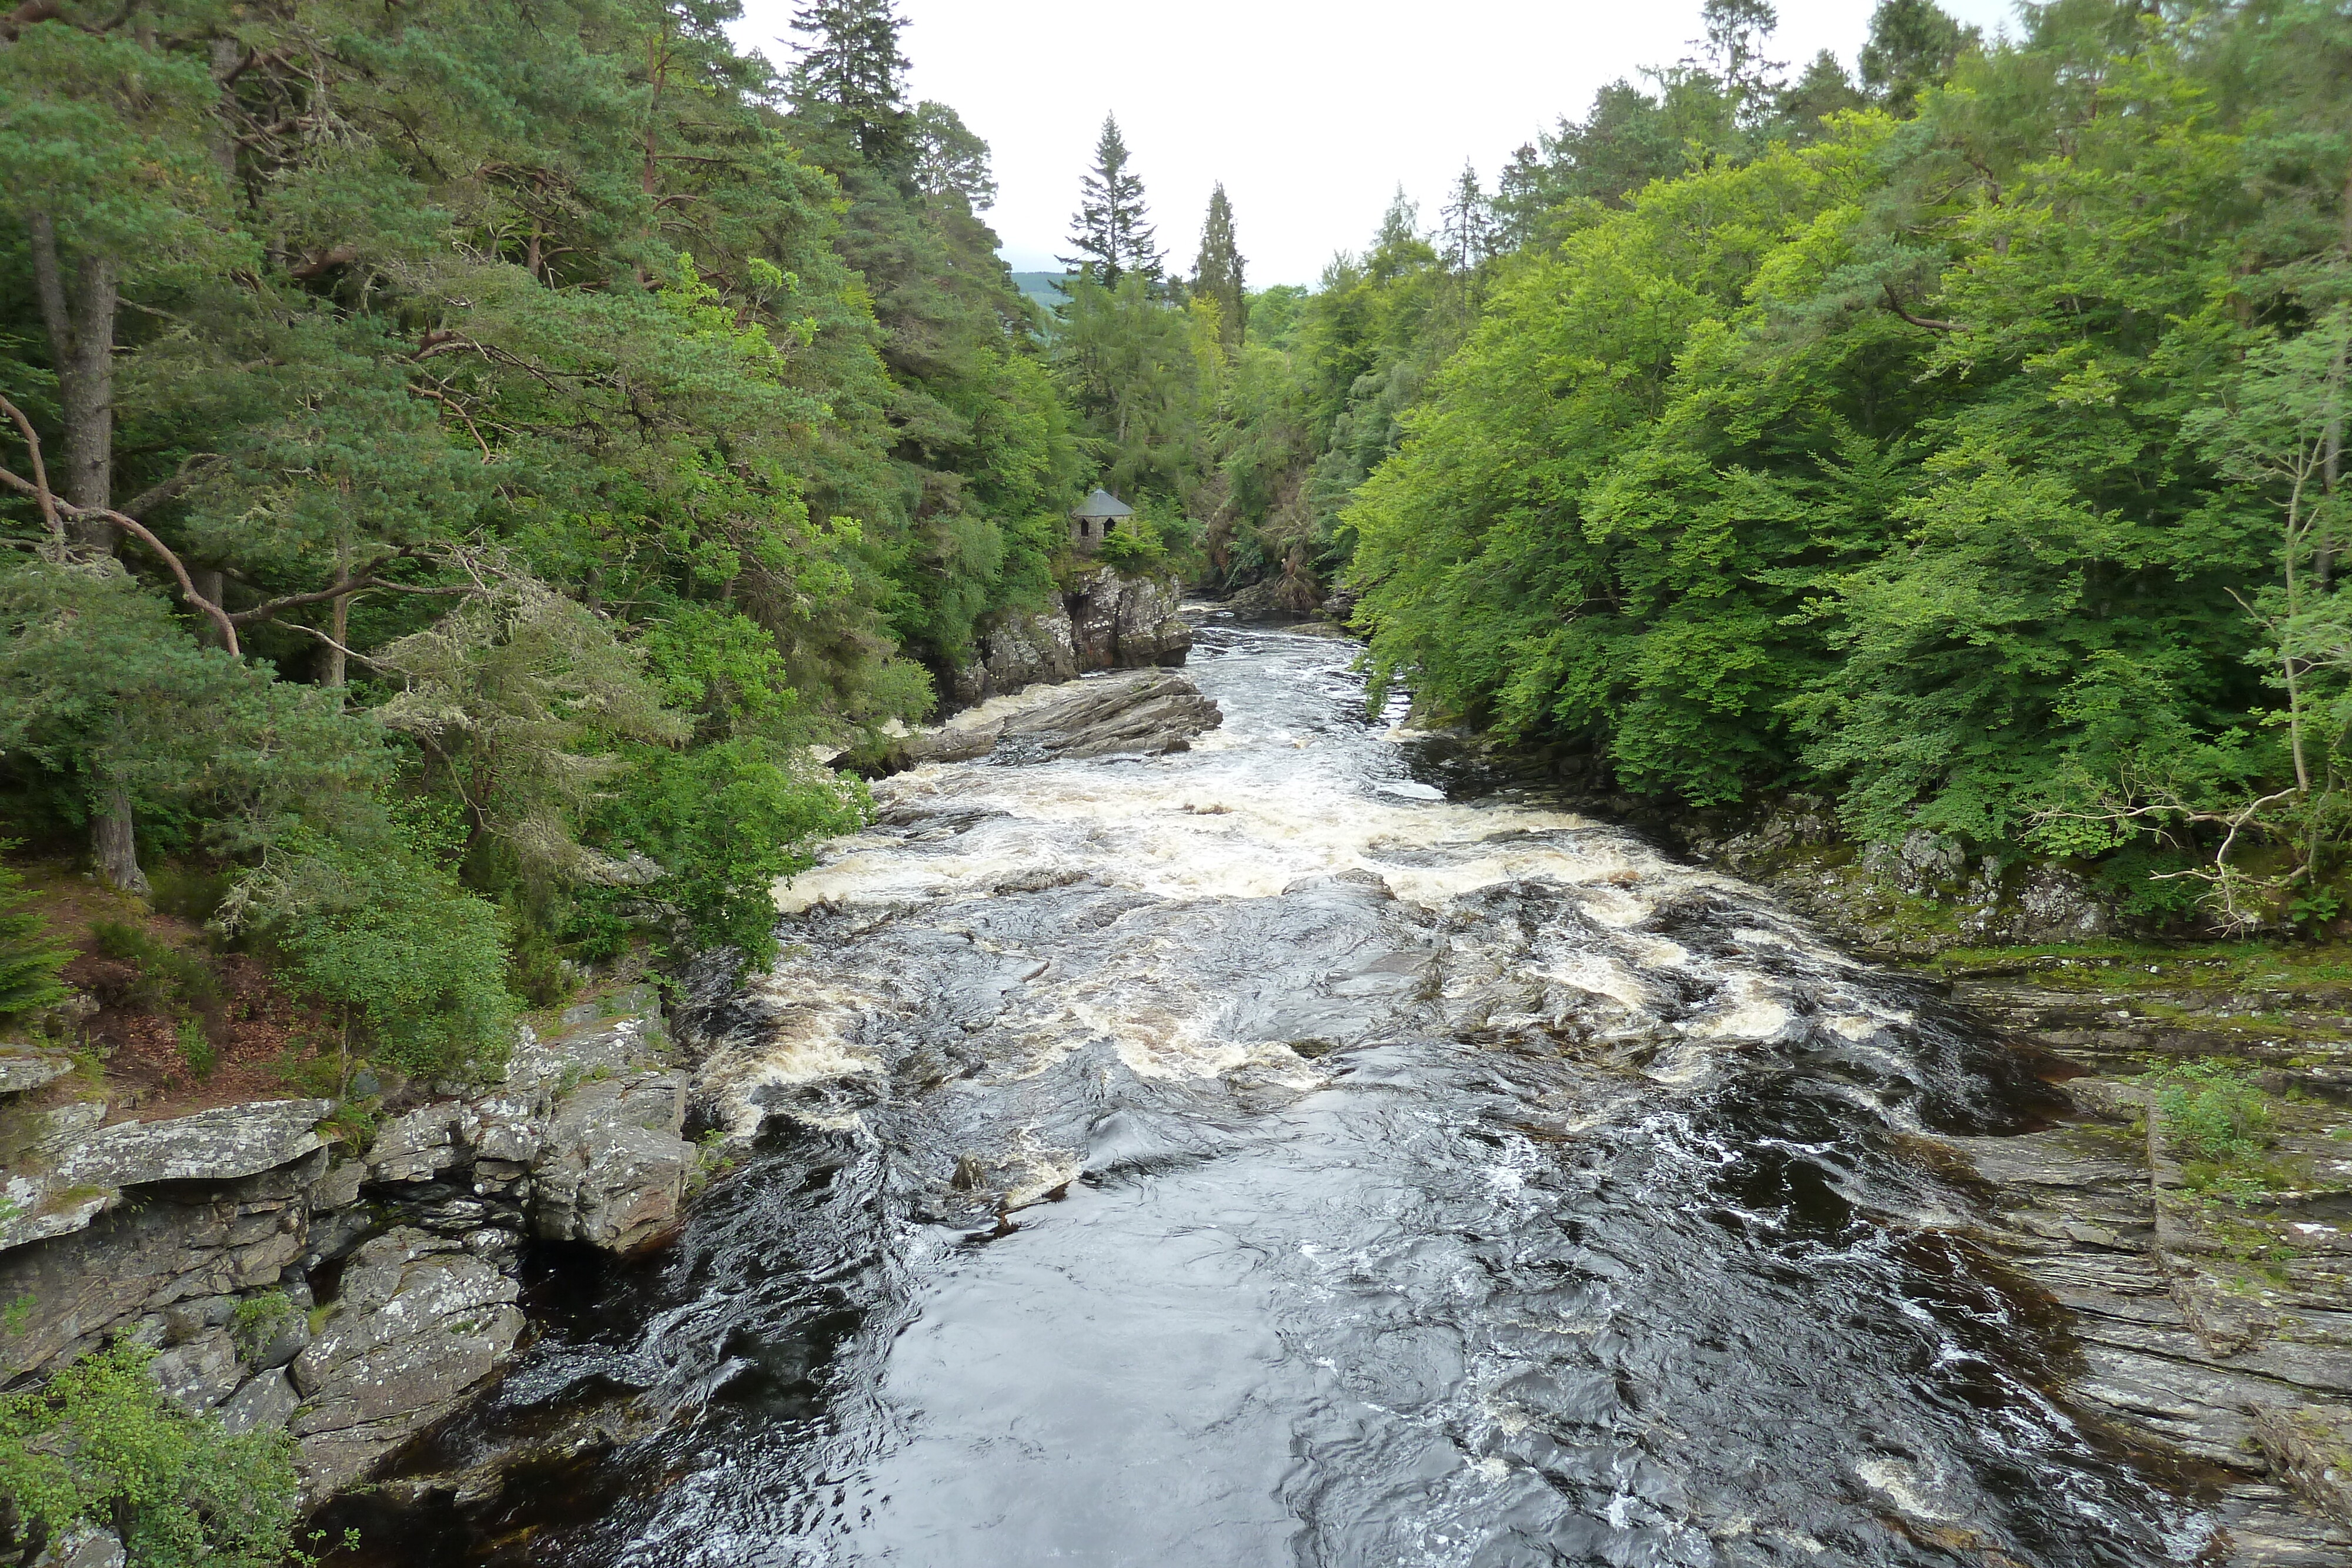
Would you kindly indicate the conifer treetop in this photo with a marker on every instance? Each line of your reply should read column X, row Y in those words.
column 1110, row 231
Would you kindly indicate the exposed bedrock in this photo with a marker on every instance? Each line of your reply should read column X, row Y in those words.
column 2219, row 1327
column 1137, row 713
column 1104, row 621
column 353, row 1298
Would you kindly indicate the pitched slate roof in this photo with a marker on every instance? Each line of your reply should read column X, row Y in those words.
column 1103, row 504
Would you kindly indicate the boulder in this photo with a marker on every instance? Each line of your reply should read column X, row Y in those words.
column 1022, row 649
column 1148, row 714
column 266, row 1401
column 614, row 1169
column 1105, row 620
column 417, row 1146
column 417, row 1324
column 202, row 1371
column 1124, row 623
column 86, row 1547
column 22, row 1069
column 1139, row 712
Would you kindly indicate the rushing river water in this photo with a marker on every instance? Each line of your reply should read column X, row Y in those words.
column 1300, row 1151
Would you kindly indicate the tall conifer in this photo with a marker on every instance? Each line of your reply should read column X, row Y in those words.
column 849, row 71
column 1467, row 222
column 1217, row 272
column 1109, row 232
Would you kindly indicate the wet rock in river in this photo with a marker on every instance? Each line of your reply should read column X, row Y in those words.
column 614, row 1169
column 1143, row 713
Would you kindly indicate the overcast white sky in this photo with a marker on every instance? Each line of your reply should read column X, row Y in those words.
column 1311, row 111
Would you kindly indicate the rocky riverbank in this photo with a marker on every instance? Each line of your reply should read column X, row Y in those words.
column 2192, row 1209
column 1105, row 619
column 349, row 1285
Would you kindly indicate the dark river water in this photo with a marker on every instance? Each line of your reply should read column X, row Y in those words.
column 1301, row 1151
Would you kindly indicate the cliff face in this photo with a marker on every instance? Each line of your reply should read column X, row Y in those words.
column 353, row 1298
column 1105, row 621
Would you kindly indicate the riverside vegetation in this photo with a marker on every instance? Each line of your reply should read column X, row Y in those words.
column 466, row 461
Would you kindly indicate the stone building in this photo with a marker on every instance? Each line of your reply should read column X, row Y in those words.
column 1096, row 516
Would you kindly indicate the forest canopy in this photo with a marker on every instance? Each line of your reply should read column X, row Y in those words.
column 466, row 457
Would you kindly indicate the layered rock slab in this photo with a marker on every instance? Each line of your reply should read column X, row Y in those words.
column 354, row 1301
column 1144, row 713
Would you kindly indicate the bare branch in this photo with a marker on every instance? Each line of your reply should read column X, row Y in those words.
column 320, row 261
column 138, row 530
column 308, row 630
column 1932, row 325
column 42, row 494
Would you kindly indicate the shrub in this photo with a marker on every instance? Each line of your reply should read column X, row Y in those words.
column 101, row 1445
column 195, row 1050
column 172, row 975
column 408, row 963
column 724, row 823
column 256, row 1319
column 29, row 959
column 1135, row 548
column 2212, row 1112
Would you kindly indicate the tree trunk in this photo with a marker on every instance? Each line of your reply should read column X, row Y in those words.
column 336, row 669
column 226, row 52
column 114, row 846
column 338, row 627
column 81, row 345
column 212, row 583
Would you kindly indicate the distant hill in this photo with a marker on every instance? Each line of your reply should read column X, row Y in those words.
column 1039, row 286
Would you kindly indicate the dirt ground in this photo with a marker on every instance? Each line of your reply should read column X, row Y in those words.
column 251, row 1026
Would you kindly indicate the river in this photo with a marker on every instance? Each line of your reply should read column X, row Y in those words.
column 1306, row 1149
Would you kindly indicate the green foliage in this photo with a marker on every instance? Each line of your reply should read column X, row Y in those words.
column 101, row 1444
column 1135, row 547
column 256, row 1319
column 171, row 976
column 639, row 414
column 30, row 957
column 409, row 963
column 2212, row 1112
column 196, row 1051
column 725, row 823
column 1948, row 462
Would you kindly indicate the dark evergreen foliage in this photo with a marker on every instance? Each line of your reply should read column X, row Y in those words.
column 1110, row 231
column 1218, row 271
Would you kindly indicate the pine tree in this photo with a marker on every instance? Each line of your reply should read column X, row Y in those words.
column 1217, row 273
column 1735, row 33
column 1109, row 232
column 1466, row 223
column 1401, row 225
column 1913, row 44
column 849, row 71
column 29, row 959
